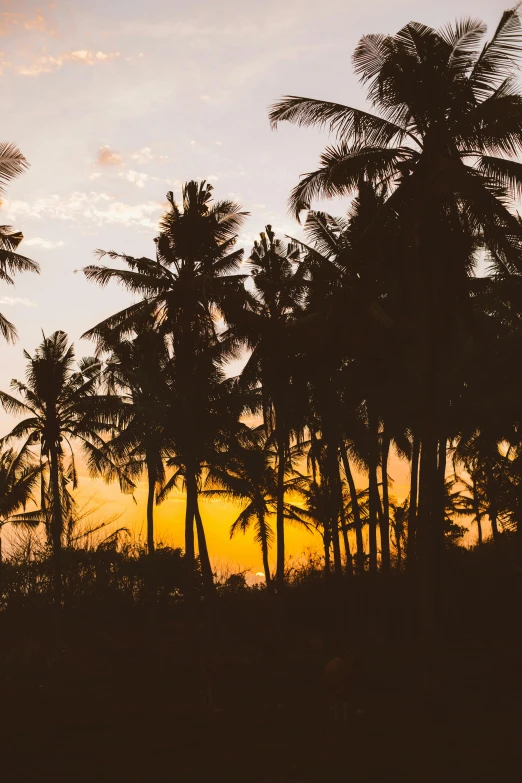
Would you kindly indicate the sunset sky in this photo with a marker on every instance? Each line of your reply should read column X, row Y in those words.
column 115, row 103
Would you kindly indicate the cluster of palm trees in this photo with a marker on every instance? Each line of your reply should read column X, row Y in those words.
column 393, row 332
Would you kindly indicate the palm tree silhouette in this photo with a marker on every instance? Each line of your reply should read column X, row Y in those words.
column 441, row 149
column 12, row 164
column 61, row 407
column 136, row 373
column 19, row 477
column 245, row 474
column 193, row 281
column 200, row 428
column 265, row 329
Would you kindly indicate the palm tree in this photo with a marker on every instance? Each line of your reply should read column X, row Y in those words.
column 12, row 164
column 137, row 374
column 192, row 282
column 60, row 405
column 441, row 148
column 194, row 443
column 266, row 330
column 19, row 476
column 245, row 474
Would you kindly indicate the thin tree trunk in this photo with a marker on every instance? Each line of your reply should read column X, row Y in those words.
column 190, row 511
column 150, row 511
column 344, row 528
column 385, row 519
column 373, row 487
column 372, row 517
column 480, row 539
column 204, row 560
column 399, row 553
column 264, row 550
column 334, row 494
column 280, row 512
column 426, row 538
column 412, row 512
column 327, row 540
column 356, row 512
column 493, row 518
column 56, row 527
column 441, row 508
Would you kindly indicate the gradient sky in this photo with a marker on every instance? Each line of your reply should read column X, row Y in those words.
column 115, row 103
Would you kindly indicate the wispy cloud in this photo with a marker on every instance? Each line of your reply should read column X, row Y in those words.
column 21, row 18
column 81, row 207
column 49, row 63
column 16, row 300
column 45, row 244
column 146, row 155
column 138, row 178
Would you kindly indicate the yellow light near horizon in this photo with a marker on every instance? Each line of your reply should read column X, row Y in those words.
column 239, row 554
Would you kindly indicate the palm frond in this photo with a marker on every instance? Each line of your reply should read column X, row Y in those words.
column 347, row 123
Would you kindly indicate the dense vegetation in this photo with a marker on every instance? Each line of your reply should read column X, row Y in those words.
column 392, row 332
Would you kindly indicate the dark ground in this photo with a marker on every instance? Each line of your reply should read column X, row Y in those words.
column 113, row 701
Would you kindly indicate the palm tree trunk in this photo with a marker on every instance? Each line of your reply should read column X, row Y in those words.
column 412, row 512
column 344, row 528
column 280, row 511
column 493, row 518
column 56, row 526
column 480, row 539
column 356, row 512
column 441, row 504
column 150, row 510
column 264, row 549
column 399, row 552
column 204, row 560
column 327, row 540
column 385, row 518
column 426, row 537
column 334, row 496
column 189, row 522
column 373, row 487
column 372, row 517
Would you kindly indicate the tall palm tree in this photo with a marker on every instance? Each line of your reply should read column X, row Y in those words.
column 19, row 476
column 61, row 407
column 136, row 373
column 441, row 147
column 192, row 282
column 266, row 330
column 196, row 441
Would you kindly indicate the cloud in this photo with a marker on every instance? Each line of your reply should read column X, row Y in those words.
column 146, row 155
column 108, row 157
column 137, row 178
column 24, row 20
column 16, row 300
column 48, row 63
column 45, row 244
column 94, row 207
column 90, row 58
